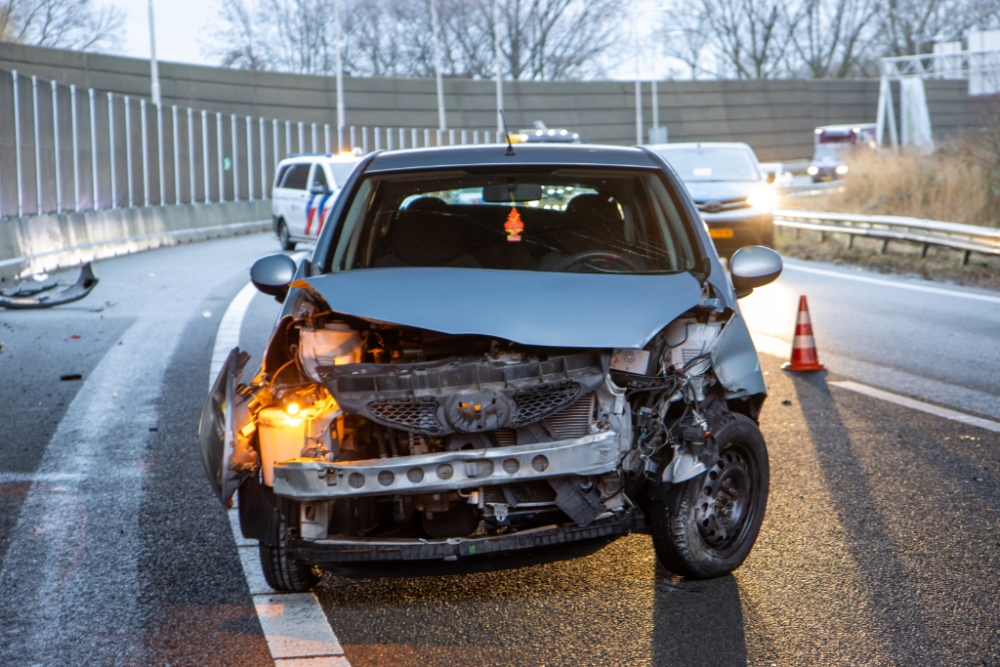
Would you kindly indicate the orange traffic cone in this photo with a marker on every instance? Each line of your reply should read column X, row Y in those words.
column 804, row 356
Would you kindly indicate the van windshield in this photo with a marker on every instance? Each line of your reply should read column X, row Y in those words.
column 569, row 220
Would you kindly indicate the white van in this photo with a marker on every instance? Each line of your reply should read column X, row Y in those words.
column 305, row 188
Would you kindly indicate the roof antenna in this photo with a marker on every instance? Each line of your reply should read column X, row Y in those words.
column 510, row 146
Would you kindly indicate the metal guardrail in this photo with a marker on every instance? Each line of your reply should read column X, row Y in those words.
column 967, row 238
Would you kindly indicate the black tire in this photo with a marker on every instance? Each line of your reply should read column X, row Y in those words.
column 688, row 535
column 284, row 237
column 281, row 570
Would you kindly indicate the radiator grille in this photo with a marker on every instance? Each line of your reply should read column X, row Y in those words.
column 536, row 404
column 573, row 421
column 417, row 415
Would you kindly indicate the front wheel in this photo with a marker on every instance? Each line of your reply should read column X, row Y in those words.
column 708, row 525
column 284, row 237
column 281, row 570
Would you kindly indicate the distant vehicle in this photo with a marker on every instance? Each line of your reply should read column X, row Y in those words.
column 729, row 189
column 305, row 188
column 833, row 143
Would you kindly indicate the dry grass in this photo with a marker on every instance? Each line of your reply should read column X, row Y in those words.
column 952, row 185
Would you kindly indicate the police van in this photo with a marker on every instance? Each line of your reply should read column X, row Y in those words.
column 305, row 188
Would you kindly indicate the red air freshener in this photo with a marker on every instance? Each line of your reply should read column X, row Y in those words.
column 513, row 226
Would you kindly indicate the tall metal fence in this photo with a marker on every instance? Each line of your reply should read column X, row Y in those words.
column 64, row 148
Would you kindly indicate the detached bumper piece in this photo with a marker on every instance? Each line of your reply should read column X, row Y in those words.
column 507, row 547
column 45, row 297
column 304, row 480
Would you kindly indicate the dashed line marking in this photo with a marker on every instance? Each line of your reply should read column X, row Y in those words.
column 914, row 404
column 295, row 627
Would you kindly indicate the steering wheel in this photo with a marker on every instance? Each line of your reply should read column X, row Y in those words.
column 603, row 259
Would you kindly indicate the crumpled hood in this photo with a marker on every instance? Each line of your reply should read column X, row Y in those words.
column 702, row 191
column 529, row 307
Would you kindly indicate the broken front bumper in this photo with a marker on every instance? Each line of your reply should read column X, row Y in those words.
column 312, row 480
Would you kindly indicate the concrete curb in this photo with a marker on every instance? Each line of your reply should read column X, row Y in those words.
column 44, row 243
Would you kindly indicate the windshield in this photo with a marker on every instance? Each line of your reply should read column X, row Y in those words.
column 568, row 220
column 341, row 171
column 830, row 151
column 695, row 165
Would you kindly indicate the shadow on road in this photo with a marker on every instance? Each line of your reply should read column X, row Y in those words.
column 893, row 602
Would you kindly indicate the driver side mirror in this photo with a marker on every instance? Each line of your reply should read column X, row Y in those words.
column 273, row 274
column 752, row 267
column 318, row 189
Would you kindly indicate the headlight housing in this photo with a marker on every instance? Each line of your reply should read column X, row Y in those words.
column 842, row 169
column 812, row 170
column 763, row 197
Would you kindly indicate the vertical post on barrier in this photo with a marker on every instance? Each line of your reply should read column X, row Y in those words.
column 236, row 167
column 277, row 153
column 250, row 158
column 378, row 144
column 465, row 137
column 402, row 138
column 76, row 148
column 414, row 138
column 263, row 160
column 191, row 170
column 451, row 137
column 388, row 138
column 177, row 155
column 55, row 144
column 354, row 138
column 38, row 146
column 326, row 138
column 93, row 147
column 17, row 147
column 288, row 137
column 475, row 137
column 302, row 138
column 205, row 157
column 159, row 153
column 145, row 152
column 128, row 150
column 364, row 139
column 111, row 145
column 222, row 173
column 427, row 138
column 314, row 137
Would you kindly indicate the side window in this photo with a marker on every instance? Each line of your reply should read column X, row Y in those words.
column 282, row 170
column 319, row 177
column 297, row 177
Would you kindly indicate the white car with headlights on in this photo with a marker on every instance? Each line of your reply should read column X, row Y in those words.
column 729, row 189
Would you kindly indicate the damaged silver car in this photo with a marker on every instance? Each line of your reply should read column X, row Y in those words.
column 498, row 358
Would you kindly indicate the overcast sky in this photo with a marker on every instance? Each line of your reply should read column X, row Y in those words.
column 183, row 28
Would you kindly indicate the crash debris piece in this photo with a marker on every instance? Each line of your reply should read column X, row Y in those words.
column 26, row 298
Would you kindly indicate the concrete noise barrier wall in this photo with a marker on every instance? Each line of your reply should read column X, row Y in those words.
column 44, row 243
column 776, row 117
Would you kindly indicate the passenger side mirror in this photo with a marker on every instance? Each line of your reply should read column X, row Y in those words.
column 272, row 275
column 752, row 267
column 318, row 189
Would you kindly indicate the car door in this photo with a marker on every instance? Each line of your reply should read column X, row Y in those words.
column 296, row 198
column 320, row 194
column 278, row 195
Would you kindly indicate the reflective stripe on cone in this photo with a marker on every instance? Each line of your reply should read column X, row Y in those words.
column 804, row 355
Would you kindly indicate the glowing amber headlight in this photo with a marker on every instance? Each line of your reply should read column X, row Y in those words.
column 842, row 169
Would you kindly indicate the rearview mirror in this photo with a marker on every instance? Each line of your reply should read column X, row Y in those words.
column 272, row 275
column 509, row 193
column 752, row 267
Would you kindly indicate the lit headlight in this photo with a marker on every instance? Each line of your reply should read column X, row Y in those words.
column 763, row 197
column 842, row 169
column 812, row 170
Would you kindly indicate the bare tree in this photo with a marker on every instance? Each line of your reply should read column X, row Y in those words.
column 686, row 33
column 541, row 39
column 831, row 36
column 66, row 24
column 910, row 27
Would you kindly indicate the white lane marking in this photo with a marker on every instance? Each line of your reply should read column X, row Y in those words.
column 943, row 291
column 918, row 405
column 294, row 625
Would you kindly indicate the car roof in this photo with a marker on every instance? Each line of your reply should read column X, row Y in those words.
column 700, row 144
column 524, row 154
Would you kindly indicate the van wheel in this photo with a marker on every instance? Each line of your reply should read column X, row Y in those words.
column 284, row 237
column 281, row 570
column 708, row 525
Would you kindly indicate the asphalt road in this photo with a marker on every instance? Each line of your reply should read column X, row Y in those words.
column 879, row 547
